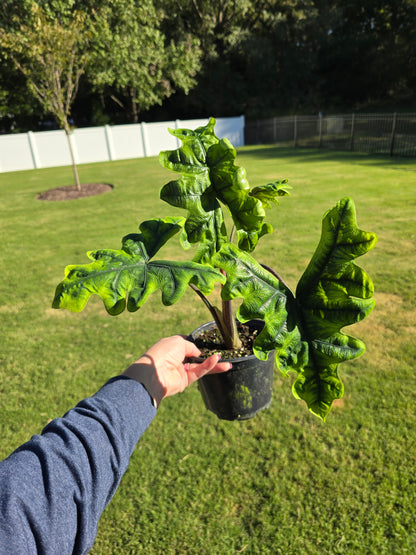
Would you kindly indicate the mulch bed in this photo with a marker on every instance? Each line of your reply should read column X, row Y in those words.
column 70, row 192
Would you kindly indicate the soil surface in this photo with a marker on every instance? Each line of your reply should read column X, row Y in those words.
column 70, row 192
column 210, row 342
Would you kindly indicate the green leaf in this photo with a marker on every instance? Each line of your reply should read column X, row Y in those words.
column 209, row 178
column 268, row 193
column 232, row 188
column 205, row 223
column 263, row 296
column 332, row 293
column 155, row 233
column 247, row 240
column 305, row 332
column 193, row 192
column 267, row 298
column 117, row 275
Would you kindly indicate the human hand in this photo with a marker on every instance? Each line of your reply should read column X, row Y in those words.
column 163, row 369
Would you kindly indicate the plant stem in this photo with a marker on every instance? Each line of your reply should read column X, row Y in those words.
column 232, row 234
column 228, row 312
column 276, row 275
column 230, row 323
column 222, row 326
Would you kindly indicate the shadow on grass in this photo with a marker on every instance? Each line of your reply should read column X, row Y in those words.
column 302, row 154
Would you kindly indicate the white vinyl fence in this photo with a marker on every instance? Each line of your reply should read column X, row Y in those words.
column 45, row 149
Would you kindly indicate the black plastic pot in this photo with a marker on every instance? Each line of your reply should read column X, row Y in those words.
column 243, row 391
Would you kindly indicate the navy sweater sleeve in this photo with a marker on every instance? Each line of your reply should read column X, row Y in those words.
column 54, row 488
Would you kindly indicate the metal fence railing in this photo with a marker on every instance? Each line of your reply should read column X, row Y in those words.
column 392, row 134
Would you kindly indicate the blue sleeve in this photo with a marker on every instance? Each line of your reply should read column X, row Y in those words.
column 54, row 488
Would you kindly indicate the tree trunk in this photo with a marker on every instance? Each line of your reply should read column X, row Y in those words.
column 134, row 106
column 71, row 151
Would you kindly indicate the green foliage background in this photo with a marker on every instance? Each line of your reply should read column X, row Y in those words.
column 280, row 483
column 259, row 58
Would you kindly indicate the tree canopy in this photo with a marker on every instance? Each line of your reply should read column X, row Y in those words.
column 52, row 55
column 131, row 55
column 196, row 58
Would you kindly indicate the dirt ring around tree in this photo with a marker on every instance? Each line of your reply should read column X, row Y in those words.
column 70, row 192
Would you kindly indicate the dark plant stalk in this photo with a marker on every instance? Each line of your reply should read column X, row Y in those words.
column 276, row 275
column 228, row 314
column 217, row 315
column 230, row 324
column 205, row 300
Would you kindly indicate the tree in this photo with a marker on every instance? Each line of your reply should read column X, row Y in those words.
column 130, row 54
column 369, row 53
column 263, row 57
column 18, row 108
column 254, row 54
column 52, row 55
column 257, row 57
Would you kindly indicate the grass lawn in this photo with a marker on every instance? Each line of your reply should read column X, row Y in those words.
column 282, row 483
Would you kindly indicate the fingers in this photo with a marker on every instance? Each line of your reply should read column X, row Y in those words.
column 175, row 348
column 176, row 364
column 211, row 365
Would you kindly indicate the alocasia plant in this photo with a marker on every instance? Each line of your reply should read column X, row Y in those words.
column 304, row 329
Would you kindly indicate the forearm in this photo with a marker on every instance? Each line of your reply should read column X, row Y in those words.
column 142, row 371
column 55, row 487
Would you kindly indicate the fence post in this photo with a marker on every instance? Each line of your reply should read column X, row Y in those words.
column 352, row 133
column 33, row 149
column 109, row 142
column 320, row 129
column 178, row 126
column 145, row 141
column 295, row 131
column 393, row 133
column 242, row 128
column 275, row 130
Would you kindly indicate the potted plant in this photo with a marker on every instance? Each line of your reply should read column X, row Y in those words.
column 300, row 332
